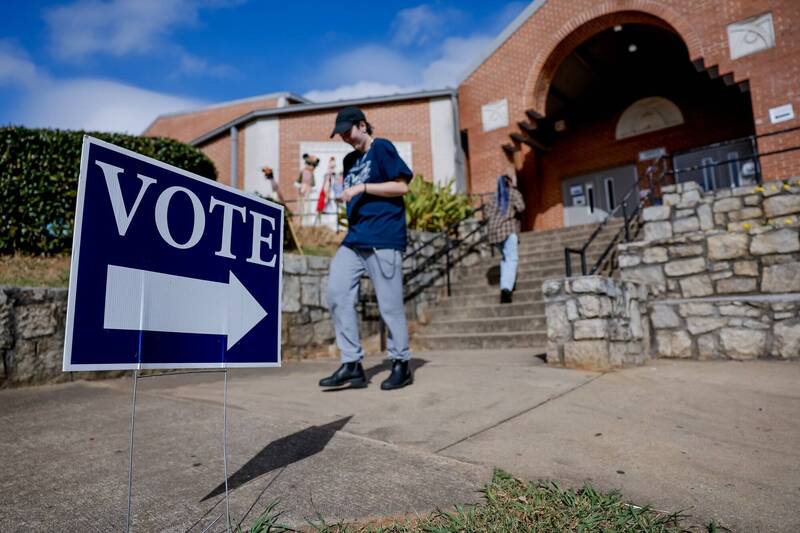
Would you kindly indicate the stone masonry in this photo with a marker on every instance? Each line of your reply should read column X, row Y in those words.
column 723, row 269
column 596, row 323
column 32, row 320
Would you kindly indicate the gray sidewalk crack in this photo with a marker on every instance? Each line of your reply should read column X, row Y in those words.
column 516, row 415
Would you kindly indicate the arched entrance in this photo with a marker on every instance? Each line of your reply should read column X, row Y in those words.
column 608, row 100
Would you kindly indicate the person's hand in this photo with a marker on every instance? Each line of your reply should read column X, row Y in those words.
column 512, row 174
column 351, row 192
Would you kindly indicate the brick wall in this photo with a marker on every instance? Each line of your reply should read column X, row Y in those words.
column 593, row 146
column 219, row 151
column 399, row 121
column 522, row 68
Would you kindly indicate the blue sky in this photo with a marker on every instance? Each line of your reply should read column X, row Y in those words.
column 114, row 65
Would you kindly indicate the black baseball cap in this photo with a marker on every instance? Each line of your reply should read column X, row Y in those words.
column 345, row 119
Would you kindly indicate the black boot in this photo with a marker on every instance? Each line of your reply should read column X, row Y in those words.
column 352, row 373
column 400, row 377
column 505, row 296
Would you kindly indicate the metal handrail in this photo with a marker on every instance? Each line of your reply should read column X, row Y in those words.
column 659, row 165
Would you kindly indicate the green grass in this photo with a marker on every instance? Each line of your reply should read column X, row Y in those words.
column 514, row 506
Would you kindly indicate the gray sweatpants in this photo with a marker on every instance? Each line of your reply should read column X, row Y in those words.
column 385, row 268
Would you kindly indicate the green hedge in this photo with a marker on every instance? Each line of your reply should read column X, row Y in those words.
column 39, row 182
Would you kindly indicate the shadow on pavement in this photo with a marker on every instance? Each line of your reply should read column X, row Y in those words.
column 282, row 452
column 493, row 275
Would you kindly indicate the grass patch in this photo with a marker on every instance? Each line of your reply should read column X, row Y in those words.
column 514, row 506
column 22, row 270
column 318, row 240
column 34, row 271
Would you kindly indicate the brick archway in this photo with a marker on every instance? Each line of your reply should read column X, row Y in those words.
column 600, row 17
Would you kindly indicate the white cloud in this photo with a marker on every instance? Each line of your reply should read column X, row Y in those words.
column 377, row 70
column 15, row 67
column 360, row 89
column 194, row 65
column 457, row 54
column 81, row 103
column 117, row 28
column 99, row 105
column 423, row 24
column 375, row 63
column 393, row 73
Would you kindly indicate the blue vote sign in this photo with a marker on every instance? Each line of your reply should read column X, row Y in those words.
column 170, row 269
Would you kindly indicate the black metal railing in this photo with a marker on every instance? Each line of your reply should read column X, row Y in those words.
column 655, row 174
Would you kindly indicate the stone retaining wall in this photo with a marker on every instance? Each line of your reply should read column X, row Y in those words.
column 32, row 320
column 596, row 323
column 723, row 269
column 727, row 328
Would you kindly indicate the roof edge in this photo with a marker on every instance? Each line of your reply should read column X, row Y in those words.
column 509, row 30
column 301, row 108
column 285, row 94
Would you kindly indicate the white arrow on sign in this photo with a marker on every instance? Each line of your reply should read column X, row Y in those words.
column 142, row 300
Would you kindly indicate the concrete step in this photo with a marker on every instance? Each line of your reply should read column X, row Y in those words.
column 565, row 234
column 542, row 259
column 482, row 341
column 557, row 246
column 487, row 325
column 460, row 289
column 556, row 236
column 524, row 296
column 439, row 314
column 524, row 272
column 489, row 268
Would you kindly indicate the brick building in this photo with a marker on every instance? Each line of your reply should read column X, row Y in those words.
column 578, row 95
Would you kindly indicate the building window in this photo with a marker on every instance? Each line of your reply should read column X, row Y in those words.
column 610, row 194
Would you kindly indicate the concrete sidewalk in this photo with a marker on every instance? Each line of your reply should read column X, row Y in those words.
column 719, row 440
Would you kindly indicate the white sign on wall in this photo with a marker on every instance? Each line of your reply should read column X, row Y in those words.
column 751, row 35
column 494, row 115
column 781, row 113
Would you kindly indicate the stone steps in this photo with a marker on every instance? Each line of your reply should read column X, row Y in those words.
column 487, row 288
column 524, row 272
column 571, row 232
column 488, row 325
column 520, row 296
column 473, row 318
column 488, row 311
column 482, row 341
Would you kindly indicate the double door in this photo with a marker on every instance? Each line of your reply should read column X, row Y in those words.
column 593, row 197
column 726, row 164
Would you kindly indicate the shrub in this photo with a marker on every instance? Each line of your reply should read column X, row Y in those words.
column 431, row 207
column 39, row 182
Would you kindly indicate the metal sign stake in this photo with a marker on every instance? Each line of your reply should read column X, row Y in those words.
column 130, row 448
column 136, row 378
column 225, row 451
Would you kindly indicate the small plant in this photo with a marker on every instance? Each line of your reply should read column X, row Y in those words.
column 431, row 207
column 267, row 522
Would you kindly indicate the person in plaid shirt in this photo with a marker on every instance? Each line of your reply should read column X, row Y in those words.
column 504, row 214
